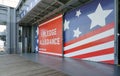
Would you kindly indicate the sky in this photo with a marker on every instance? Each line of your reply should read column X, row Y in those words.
column 11, row 3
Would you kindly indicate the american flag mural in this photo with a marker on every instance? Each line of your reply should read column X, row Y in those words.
column 89, row 32
column 36, row 39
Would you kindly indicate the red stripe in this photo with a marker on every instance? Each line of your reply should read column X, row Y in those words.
column 96, row 53
column 92, row 33
column 97, row 42
column 108, row 61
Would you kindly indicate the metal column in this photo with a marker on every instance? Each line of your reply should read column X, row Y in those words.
column 12, row 32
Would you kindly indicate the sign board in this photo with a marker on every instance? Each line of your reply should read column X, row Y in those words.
column 50, row 36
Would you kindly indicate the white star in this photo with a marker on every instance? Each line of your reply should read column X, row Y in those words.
column 78, row 13
column 66, row 25
column 76, row 32
column 36, row 48
column 37, row 31
column 98, row 17
column 35, row 36
column 37, row 40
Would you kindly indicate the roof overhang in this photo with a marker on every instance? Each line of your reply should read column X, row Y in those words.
column 47, row 9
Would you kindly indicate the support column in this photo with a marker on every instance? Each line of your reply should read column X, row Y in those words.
column 12, row 32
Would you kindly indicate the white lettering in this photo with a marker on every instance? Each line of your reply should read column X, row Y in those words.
column 54, row 41
column 47, row 33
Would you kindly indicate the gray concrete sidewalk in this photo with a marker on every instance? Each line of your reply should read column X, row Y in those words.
column 75, row 67
column 14, row 65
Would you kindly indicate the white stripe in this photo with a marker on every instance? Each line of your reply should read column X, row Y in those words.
column 101, row 58
column 50, row 20
column 91, row 49
column 50, row 53
column 90, row 39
